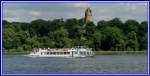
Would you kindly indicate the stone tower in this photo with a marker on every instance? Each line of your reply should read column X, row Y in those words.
column 88, row 15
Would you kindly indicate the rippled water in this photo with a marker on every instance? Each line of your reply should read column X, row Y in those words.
column 98, row 64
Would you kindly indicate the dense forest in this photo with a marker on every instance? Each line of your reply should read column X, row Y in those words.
column 114, row 35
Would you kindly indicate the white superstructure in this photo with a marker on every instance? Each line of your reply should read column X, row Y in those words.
column 79, row 51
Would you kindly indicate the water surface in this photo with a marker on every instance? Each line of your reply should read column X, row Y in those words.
column 103, row 64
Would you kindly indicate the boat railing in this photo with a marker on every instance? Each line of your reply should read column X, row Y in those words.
column 60, row 49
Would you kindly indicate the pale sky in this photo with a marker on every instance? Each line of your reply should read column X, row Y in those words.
column 26, row 12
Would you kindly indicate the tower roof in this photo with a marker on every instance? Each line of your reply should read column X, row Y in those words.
column 88, row 10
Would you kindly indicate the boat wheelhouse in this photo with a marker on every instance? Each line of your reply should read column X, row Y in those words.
column 78, row 51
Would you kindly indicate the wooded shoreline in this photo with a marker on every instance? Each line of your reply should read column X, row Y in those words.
column 114, row 34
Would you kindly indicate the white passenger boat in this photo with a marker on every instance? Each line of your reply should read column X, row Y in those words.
column 79, row 51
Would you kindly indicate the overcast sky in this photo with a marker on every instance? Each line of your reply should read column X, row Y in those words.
column 26, row 12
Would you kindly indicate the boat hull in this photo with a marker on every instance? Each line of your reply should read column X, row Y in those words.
column 61, row 56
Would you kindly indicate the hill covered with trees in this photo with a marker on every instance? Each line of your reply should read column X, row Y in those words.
column 113, row 35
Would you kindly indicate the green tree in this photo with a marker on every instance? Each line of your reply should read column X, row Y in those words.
column 97, row 36
column 89, row 29
column 8, row 37
column 130, row 25
column 132, row 41
column 39, row 27
column 101, row 24
column 60, row 35
column 111, row 38
column 33, row 42
column 115, row 22
column 142, row 35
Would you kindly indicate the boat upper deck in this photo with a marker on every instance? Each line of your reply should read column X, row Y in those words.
column 62, row 49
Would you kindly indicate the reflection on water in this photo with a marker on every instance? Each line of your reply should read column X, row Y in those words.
column 98, row 64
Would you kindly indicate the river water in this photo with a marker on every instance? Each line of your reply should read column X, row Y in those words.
column 100, row 64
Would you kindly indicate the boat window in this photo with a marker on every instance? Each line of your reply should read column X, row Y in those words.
column 87, row 53
column 68, row 52
column 54, row 53
column 76, row 52
column 61, row 53
column 58, row 53
column 84, row 53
